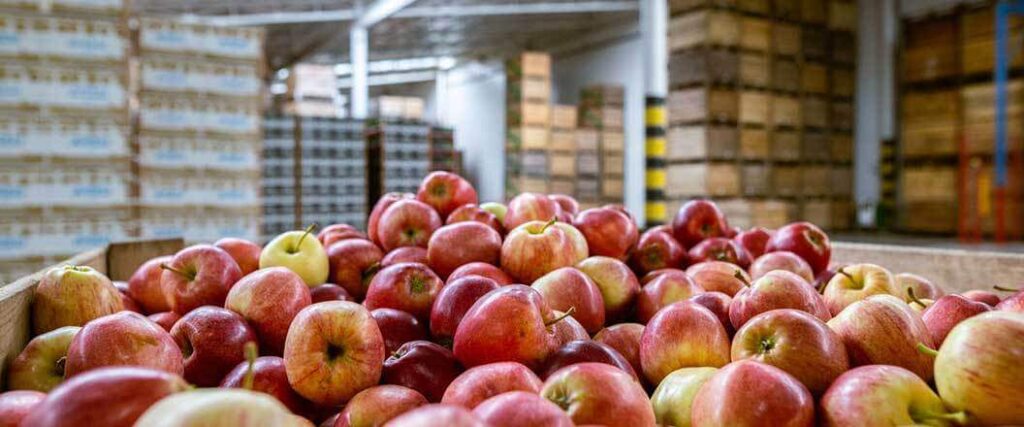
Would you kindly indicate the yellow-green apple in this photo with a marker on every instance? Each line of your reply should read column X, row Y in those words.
column 568, row 288
column 445, row 192
column 269, row 300
column 268, row 376
column 455, row 245
column 719, row 304
column 437, row 414
column 405, row 254
column 298, row 252
column 453, row 302
column 698, row 220
column 806, row 240
column 719, row 249
column 979, row 370
column 410, row 287
column 536, row 248
column 655, row 250
column 857, row 282
column 144, row 286
column 72, row 296
column 397, row 327
column 422, row 366
column 777, row 289
column 986, row 297
column 625, row 339
column 40, row 365
column 619, row 286
column 335, row 233
column 567, row 329
column 568, row 204
column 329, row 292
column 126, row 300
column 497, row 209
column 220, row 407
column 353, row 263
column 673, row 399
column 754, row 240
column 665, row 289
column 585, row 350
column 123, row 339
column 483, row 269
column 922, row 287
column 512, row 323
column 728, row 398
column 475, row 213
column 16, row 405
column 377, row 405
column 245, row 253
column 608, row 232
column 528, row 207
column 781, row 260
column 480, row 383
column 521, row 409
column 884, row 330
column 796, row 342
column 407, row 223
column 921, row 305
column 718, row 276
column 682, row 335
column 212, row 340
column 878, row 395
column 596, row 393
column 947, row 312
column 165, row 319
column 382, row 205
column 198, row 275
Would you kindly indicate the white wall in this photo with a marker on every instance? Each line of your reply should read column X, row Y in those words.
column 475, row 107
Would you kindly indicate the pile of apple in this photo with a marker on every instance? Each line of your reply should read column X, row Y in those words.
column 446, row 313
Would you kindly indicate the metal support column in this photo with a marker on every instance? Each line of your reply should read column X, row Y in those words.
column 654, row 31
column 358, row 50
column 1003, row 11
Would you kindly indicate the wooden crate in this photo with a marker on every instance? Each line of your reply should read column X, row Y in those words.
column 562, row 186
column 842, row 15
column 979, row 100
column 605, row 117
column 754, row 144
column 921, row 140
column 816, row 180
column 813, row 11
column 527, row 90
column 602, row 95
column 702, row 104
column 587, row 139
column 755, row 34
column 817, row 212
column 814, row 43
column 786, row 9
column 588, row 164
column 815, row 146
column 533, row 163
column 612, row 187
column 786, row 75
column 842, row 147
column 929, row 63
column 814, row 78
column 843, row 47
column 562, row 165
column 979, row 136
column 677, row 6
column 786, row 39
column 588, row 189
column 977, row 55
column 785, row 111
column 527, row 138
column 786, row 180
column 756, row 180
column 703, row 28
column 563, row 117
column 754, row 107
column 842, row 82
column 702, row 142
column 703, row 65
column 841, row 115
column 529, row 185
column 785, row 145
column 842, row 215
column 771, row 214
column 761, row 7
column 528, row 114
column 613, row 141
column 613, row 164
column 928, row 217
column 563, row 140
column 928, row 184
column 841, row 181
column 754, row 69
column 529, row 64
column 703, row 179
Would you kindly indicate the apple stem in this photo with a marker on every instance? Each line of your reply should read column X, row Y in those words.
column 739, row 275
column 923, row 349
column 550, row 223
column 848, row 276
column 958, row 418
column 1005, row 289
column 190, row 277
column 309, row 230
column 567, row 313
column 913, row 298
column 250, row 371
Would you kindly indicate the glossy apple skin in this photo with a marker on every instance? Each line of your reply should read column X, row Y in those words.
column 596, row 393
column 299, row 252
column 245, row 253
column 662, row 291
column 373, row 221
column 698, row 220
column 656, row 250
column 781, row 260
column 475, row 213
column 212, row 340
column 883, row 330
column 796, row 342
column 269, row 377
column 422, row 366
column 567, row 329
column 521, row 409
column 806, row 240
column 377, row 405
column 437, row 415
column 407, row 223
column 482, row 269
column 580, row 250
column 567, row 288
column 409, row 287
column 725, row 399
column 405, row 254
column 89, row 399
column 673, row 399
column 329, row 292
column 923, row 288
column 535, row 249
column 718, row 276
column 166, row 319
column 719, row 304
column 72, row 296
column 568, row 204
column 219, row 407
column 39, row 366
column 625, row 339
column 123, row 339
column 619, row 286
column 528, row 207
column 585, row 350
column 453, row 302
column 775, row 290
column 453, row 246
column 986, row 297
column 335, row 233
column 445, row 192
column 608, row 232
column 126, row 300
column 480, row 383
column 144, row 286
column 497, row 209
column 397, row 327
column 947, row 312
column 974, row 373
column 754, row 240
column 269, row 300
column 353, row 263
column 720, row 249
column 868, row 279
column 333, row 351
column 881, row 395
column 506, row 325
column 16, row 405
column 211, row 274
column 1014, row 303
column 682, row 335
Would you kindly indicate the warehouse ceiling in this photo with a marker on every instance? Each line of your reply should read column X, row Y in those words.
column 457, row 28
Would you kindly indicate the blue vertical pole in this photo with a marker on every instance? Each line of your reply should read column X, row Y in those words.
column 1002, row 34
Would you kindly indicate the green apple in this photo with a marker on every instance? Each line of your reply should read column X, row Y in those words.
column 40, row 366
column 72, row 296
column 674, row 396
column 219, row 408
column 300, row 252
column 496, row 209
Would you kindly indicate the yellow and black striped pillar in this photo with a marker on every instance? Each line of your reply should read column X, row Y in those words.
column 656, row 177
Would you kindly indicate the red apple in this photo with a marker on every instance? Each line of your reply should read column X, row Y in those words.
column 485, row 381
column 718, row 276
column 1014, row 303
column 576, row 238
column 397, row 327
column 947, row 312
column 856, row 282
column 719, row 249
column 329, row 292
column 377, row 405
column 621, row 208
column 126, row 300
column 596, row 393
column 883, row 330
column 482, row 269
column 781, row 260
column 334, row 233
column 407, row 223
column 509, row 324
column 382, row 205
column 608, row 232
column 719, row 304
column 663, row 290
column 986, row 297
column 698, row 220
column 521, row 409
column 245, row 253
column 123, row 339
column 446, row 191
column 269, row 300
column 144, row 286
column 72, row 296
column 625, row 339
column 453, row 302
column 657, row 250
column 437, row 415
column 682, row 335
column 40, row 365
column 353, row 263
column 476, row 214
column 775, row 290
column 568, row 288
column 529, row 207
column 212, row 340
column 16, row 405
column 166, row 319
column 884, row 395
column 568, row 204
column 726, row 398
column 333, row 351
column 535, row 249
column 198, row 275
column 754, row 240
column 268, row 376
column 806, row 240
column 585, row 350
column 405, row 254
column 409, row 287
column 922, row 287
column 453, row 246
column 422, row 366
column 619, row 286
column 567, row 329
column 821, row 279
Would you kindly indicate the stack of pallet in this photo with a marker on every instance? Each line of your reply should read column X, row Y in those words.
column 760, row 109
column 65, row 161
column 201, row 94
column 528, row 118
column 601, row 113
column 279, row 180
column 443, row 156
column 398, row 156
column 562, row 150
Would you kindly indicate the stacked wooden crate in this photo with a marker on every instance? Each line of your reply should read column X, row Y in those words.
column 562, row 150
column 600, row 111
column 528, row 117
column 443, row 156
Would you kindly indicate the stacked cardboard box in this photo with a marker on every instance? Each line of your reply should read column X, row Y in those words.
column 443, row 156
column 528, row 119
column 397, row 108
column 312, row 91
column 562, row 153
column 279, row 180
column 398, row 156
column 601, row 112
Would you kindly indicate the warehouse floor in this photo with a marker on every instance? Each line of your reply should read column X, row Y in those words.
column 926, row 241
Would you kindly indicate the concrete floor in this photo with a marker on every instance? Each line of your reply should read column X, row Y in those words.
column 926, row 241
